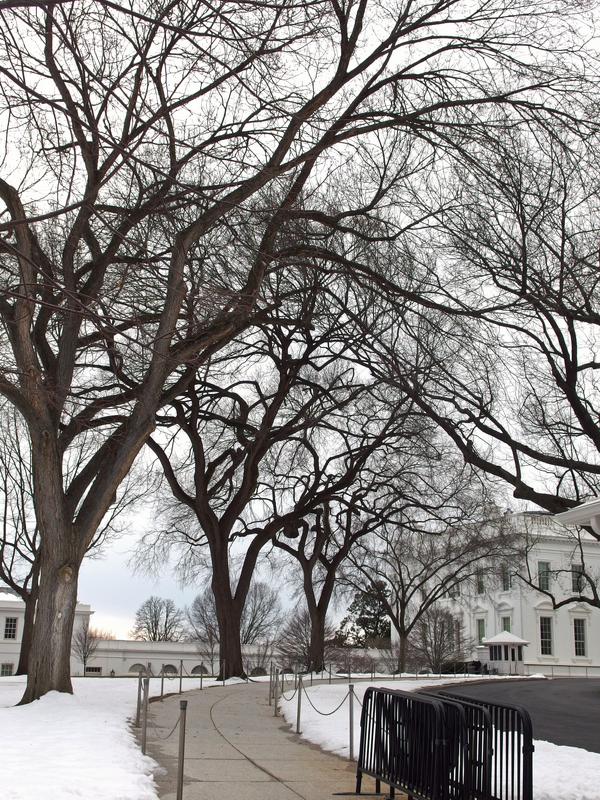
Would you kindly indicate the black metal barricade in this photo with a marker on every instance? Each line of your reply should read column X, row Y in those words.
column 470, row 750
column 445, row 747
column 512, row 742
column 402, row 743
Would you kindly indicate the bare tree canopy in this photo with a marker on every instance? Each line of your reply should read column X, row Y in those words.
column 261, row 616
column 438, row 639
column 158, row 620
column 85, row 643
column 294, row 643
column 410, row 568
column 508, row 347
column 149, row 135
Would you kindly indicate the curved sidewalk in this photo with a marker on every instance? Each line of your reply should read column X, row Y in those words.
column 236, row 748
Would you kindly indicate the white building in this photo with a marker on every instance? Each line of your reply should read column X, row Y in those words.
column 563, row 641
column 12, row 613
column 118, row 657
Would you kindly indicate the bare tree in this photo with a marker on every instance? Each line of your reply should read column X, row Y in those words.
column 410, row 568
column 294, row 642
column 19, row 538
column 158, row 620
column 285, row 425
column 261, row 616
column 438, row 638
column 20, row 545
column 116, row 282
column 86, row 641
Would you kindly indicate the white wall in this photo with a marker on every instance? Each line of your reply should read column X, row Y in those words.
column 11, row 606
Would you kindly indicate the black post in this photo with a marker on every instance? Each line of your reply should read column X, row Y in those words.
column 181, row 754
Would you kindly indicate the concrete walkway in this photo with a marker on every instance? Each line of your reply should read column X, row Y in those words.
column 236, row 748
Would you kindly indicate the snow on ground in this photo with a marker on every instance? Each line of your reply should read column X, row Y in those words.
column 76, row 746
column 568, row 773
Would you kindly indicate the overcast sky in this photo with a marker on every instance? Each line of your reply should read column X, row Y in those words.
column 109, row 584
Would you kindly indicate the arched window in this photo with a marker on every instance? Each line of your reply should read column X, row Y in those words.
column 200, row 669
column 137, row 668
column 169, row 669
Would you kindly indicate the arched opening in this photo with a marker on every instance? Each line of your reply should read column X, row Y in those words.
column 170, row 669
column 137, row 668
column 200, row 669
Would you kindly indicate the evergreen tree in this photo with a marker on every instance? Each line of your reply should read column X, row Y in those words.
column 366, row 622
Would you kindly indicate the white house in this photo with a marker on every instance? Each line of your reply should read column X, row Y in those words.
column 114, row 656
column 563, row 641
column 12, row 613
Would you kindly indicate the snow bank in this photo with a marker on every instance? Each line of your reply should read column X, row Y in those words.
column 568, row 773
column 73, row 746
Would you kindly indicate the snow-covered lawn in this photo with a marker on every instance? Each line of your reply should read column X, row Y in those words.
column 559, row 773
column 75, row 746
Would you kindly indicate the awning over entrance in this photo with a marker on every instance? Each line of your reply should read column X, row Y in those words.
column 505, row 638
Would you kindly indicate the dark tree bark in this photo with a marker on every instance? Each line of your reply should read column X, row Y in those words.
column 27, row 637
column 318, row 619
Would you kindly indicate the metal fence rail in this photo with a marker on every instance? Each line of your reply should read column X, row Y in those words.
column 445, row 747
column 402, row 743
column 469, row 735
column 512, row 742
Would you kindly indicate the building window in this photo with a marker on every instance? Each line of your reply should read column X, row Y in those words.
column 579, row 633
column 546, row 636
column 479, row 585
column 480, row 631
column 577, row 580
column 6, row 670
column 505, row 623
column 457, row 634
column 544, row 575
column 505, row 578
column 93, row 670
column 10, row 628
column 495, row 653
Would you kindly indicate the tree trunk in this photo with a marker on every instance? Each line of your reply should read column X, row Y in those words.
column 27, row 637
column 229, row 616
column 402, row 650
column 50, row 654
column 316, row 651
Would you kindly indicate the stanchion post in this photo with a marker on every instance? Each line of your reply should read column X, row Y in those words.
column 181, row 754
column 311, row 676
column 271, row 684
column 223, row 672
column 275, row 693
column 351, row 718
column 180, row 675
column 139, row 701
column 145, row 714
column 162, row 681
column 201, row 675
column 299, row 709
column 330, row 672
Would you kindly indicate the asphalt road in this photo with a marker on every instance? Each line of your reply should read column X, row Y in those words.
column 565, row 711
